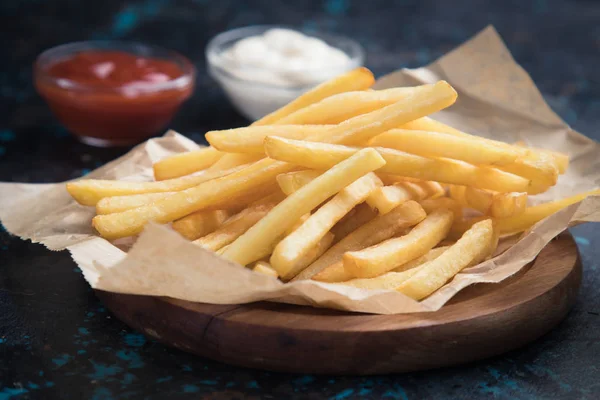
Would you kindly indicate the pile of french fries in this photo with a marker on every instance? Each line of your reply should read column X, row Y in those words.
column 344, row 185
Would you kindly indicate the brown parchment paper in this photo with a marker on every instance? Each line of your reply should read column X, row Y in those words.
column 497, row 99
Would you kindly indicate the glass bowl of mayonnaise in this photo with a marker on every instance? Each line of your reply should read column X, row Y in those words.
column 262, row 68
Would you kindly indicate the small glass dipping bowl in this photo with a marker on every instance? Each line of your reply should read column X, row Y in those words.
column 105, row 115
column 255, row 99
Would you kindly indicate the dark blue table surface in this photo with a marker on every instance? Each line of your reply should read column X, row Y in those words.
column 57, row 341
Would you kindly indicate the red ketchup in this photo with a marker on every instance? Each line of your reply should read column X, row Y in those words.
column 114, row 97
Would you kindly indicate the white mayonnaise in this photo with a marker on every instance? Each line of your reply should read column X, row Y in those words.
column 284, row 57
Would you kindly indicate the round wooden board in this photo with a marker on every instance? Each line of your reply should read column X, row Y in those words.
column 481, row 321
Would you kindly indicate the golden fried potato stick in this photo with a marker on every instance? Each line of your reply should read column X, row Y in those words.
column 109, row 205
column 417, row 262
column 234, row 160
column 429, row 205
column 495, row 204
column 250, row 139
column 423, row 100
column 304, row 238
column 386, row 198
column 89, row 191
column 357, row 79
column 311, row 255
column 384, row 257
column 387, row 281
column 200, row 223
column 185, row 163
column 264, row 267
column 343, row 106
column 360, row 215
column 436, row 144
column 540, row 166
column 457, row 193
column 292, row 181
column 535, row 214
column 434, row 274
column 262, row 236
column 213, row 193
column 236, row 225
column 320, row 156
column 373, row 232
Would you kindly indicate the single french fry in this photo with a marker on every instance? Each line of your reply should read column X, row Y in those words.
column 250, row 139
column 320, row 156
column 263, row 235
column 429, row 205
column 357, row 79
column 422, row 100
column 436, row 144
column 340, row 107
column 200, row 223
column 236, row 225
column 417, row 191
column 434, row 274
column 264, row 267
column 109, row 205
column 417, row 262
column 384, row 257
column 89, row 191
column 387, row 281
column 535, row 214
column 302, row 240
column 360, row 215
column 497, row 205
column 508, row 204
column 292, row 181
column 311, row 255
column 539, row 166
column 457, row 193
column 234, row 160
column 185, row 163
column 386, row 198
column 213, row 193
column 373, row 232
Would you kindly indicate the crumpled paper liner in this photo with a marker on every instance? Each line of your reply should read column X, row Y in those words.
column 497, row 99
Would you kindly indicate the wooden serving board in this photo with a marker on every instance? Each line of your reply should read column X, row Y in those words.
column 481, row 321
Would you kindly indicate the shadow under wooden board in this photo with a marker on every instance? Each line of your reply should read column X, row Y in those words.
column 481, row 321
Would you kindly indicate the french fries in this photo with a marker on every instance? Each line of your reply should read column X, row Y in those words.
column 434, row 274
column 343, row 106
column 323, row 155
column 297, row 244
column 236, row 225
column 384, row 257
column 343, row 185
column 213, row 193
column 109, row 205
column 292, row 181
column 250, row 139
column 357, row 79
column 373, row 232
column 533, row 215
column 435, row 144
column 185, row 163
column 263, row 236
column 200, row 223
column 264, row 267
column 88, row 192
column 494, row 204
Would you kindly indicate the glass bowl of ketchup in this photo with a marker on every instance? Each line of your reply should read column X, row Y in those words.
column 113, row 93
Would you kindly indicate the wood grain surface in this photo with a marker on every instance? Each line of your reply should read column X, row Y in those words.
column 481, row 321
